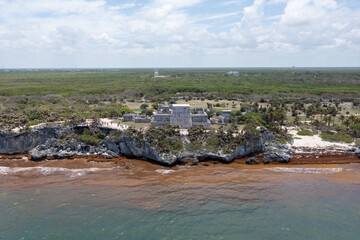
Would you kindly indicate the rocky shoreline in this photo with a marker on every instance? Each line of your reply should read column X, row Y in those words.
column 46, row 143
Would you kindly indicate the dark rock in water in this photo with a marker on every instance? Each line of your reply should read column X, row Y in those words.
column 279, row 157
column 252, row 161
column 355, row 150
column 37, row 155
column 190, row 161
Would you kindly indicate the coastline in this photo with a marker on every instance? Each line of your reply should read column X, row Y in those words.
column 302, row 155
column 126, row 172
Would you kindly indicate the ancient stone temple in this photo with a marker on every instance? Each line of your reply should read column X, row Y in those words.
column 180, row 115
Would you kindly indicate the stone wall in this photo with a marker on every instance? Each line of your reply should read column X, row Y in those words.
column 142, row 120
column 129, row 117
column 199, row 118
column 161, row 120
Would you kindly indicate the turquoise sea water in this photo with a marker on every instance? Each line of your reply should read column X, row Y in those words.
column 270, row 205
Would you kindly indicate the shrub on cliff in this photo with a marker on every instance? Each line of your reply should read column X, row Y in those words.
column 164, row 139
column 91, row 140
column 201, row 138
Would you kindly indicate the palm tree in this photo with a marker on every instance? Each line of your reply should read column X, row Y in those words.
column 347, row 122
column 321, row 111
column 342, row 118
column 327, row 119
column 352, row 118
column 332, row 111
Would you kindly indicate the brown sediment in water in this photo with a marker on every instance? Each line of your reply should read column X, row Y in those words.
column 133, row 172
column 143, row 184
column 325, row 158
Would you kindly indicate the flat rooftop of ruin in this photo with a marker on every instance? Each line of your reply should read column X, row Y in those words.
column 181, row 105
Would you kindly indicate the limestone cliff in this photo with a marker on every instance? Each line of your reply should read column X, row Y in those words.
column 22, row 143
column 47, row 143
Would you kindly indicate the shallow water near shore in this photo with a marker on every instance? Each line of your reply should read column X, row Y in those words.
column 62, row 200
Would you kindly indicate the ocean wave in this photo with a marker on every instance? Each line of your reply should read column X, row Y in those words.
column 306, row 170
column 164, row 171
column 49, row 170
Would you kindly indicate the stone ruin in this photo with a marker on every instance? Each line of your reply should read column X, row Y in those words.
column 136, row 118
column 179, row 115
column 223, row 119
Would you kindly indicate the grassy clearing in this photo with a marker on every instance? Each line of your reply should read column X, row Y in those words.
column 337, row 137
column 305, row 132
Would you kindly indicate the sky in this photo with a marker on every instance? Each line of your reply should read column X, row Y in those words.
column 179, row 33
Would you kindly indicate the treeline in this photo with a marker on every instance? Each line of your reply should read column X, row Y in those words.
column 318, row 82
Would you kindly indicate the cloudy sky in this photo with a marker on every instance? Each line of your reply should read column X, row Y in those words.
column 179, row 33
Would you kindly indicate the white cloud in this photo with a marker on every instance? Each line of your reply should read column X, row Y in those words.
column 123, row 6
column 167, row 31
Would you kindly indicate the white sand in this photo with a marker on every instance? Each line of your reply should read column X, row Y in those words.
column 315, row 142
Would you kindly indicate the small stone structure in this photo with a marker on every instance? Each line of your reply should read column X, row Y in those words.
column 180, row 115
column 223, row 119
column 163, row 108
column 233, row 74
column 226, row 115
column 129, row 117
column 201, row 118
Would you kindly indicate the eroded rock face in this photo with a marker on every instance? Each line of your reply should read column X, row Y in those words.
column 46, row 143
column 60, row 149
column 142, row 149
column 277, row 153
column 255, row 145
column 23, row 142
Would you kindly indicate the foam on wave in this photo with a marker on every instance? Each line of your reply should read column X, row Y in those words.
column 49, row 170
column 164, row 171
column 306, row 170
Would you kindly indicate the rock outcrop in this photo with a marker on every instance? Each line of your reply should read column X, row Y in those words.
column 22, row 143
column 355, row 150
column 277, row 153
column 59, row 149
column 255, row 145
column 48, row 143
column 141, row 149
